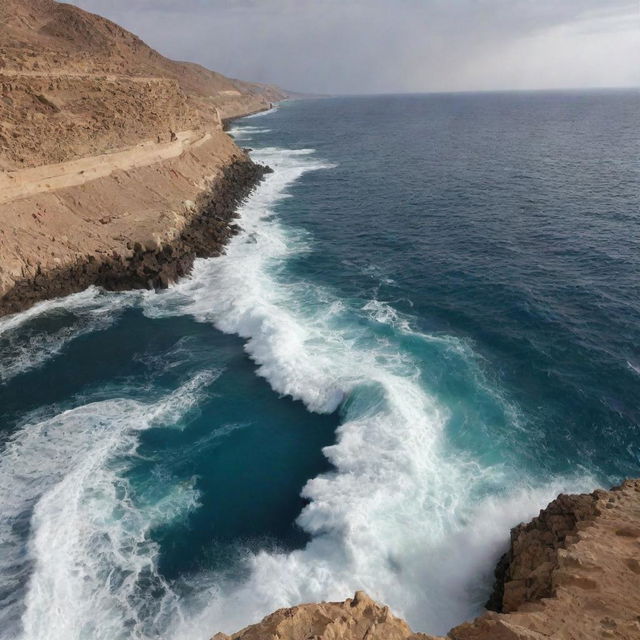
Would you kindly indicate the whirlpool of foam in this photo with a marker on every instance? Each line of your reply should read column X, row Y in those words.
column 89, row 564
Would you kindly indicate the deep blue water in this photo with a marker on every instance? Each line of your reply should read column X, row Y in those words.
column 428, row 328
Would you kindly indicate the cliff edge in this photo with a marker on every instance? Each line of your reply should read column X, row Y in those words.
column 109, row 155
column 572, row 573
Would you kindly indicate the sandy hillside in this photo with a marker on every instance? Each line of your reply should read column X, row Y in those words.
column 105, row 145
column 75, row 84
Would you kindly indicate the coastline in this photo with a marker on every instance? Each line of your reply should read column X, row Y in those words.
column 153, row 264
column 364, row 390
column 111, row 157
column 546, row 557
column 228, row 121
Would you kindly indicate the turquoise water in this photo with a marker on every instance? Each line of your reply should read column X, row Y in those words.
column 426, row 330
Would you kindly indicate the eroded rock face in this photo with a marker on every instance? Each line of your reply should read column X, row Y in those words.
column 524, row 573
column 152, row 261
column 572, row 573
column 114, row 168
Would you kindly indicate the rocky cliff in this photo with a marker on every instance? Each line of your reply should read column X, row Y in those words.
column 572, row 573
column 108, row 151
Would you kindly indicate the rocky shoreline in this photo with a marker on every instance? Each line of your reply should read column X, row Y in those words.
column 206, row 232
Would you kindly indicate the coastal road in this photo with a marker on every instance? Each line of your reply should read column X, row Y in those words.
column 28, row 182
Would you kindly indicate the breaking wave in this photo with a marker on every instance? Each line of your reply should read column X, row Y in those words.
column 88, row 567
column 399, row 504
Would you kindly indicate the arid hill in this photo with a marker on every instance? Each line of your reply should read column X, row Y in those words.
column 74, row 84
column 114, row 167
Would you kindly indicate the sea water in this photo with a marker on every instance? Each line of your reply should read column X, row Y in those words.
column 427, row 328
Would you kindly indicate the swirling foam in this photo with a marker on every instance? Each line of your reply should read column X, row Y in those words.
column 25, row 346
column 89, row 564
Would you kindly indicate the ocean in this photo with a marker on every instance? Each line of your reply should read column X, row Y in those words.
column 427, row 329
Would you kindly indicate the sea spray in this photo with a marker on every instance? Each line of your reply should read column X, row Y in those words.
column 89, row 565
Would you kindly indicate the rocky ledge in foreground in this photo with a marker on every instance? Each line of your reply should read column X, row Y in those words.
column 572, row 573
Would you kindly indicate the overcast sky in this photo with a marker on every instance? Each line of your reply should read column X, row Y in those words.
column 377, row 46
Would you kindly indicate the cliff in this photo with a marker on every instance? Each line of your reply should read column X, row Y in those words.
column 107, row 151
column 572, row 573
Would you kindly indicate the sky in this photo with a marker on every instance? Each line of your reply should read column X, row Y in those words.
column 395, row 46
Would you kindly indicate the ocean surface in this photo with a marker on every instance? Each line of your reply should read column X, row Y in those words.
column 429, row 326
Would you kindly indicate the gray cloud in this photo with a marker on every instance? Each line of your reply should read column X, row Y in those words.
column 358, row 46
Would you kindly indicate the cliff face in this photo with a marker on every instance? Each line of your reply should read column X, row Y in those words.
column 105, row 146
column 572, row 573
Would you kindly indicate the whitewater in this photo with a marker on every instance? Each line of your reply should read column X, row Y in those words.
column 401, row 513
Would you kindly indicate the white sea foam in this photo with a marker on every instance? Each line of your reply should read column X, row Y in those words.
column 22, row 349
column 633, row 367
column 385, row 314
column 90, row 563
column 260, row 114
column 245, row 132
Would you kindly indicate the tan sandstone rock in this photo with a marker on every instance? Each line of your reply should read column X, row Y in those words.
column 354, row 619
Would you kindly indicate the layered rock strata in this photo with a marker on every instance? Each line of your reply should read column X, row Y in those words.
column 572, row 573
column 74, row 84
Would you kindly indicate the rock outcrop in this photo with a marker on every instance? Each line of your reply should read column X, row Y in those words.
column 354, row 619
column 572, row 573
column 526, row 572
column 114, row 166
column 147, row 257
